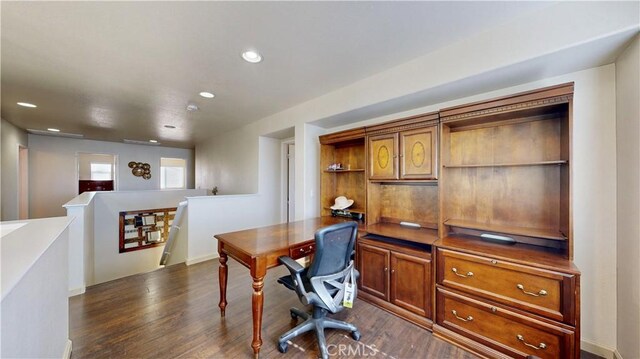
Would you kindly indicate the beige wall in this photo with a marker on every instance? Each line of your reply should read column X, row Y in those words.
column 53, row 164
column 11, row 138
column 628, row 183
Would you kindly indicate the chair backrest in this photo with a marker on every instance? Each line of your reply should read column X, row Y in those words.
column 334, row 246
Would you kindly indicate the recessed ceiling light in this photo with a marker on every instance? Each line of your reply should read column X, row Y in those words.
column 252, row 56
column 26, row 104
column 206, row 94
column 153, row 141
column 192, row 107
column 53, row 129
column 169, row 126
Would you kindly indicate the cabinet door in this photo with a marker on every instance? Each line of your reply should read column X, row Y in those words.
column 418, row 154
column 374, row 270
column 383, row 157
column 411, row 283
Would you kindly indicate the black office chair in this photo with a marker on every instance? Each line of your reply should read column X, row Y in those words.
column 322, row 284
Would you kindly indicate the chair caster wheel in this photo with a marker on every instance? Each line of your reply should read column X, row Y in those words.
column 355, row 335
column 282, row 347
column 293, row 315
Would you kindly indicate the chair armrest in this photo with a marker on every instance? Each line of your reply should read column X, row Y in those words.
column 295, row 269
column 293, row 266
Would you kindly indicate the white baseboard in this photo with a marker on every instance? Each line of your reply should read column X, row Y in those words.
column 599, row 350
column 191, row 261
column 77, row 291
column 67, row 350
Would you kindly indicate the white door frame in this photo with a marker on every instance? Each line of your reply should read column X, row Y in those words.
column 284, row 176
column 23, row 182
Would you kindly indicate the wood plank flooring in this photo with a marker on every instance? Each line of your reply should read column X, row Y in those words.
column 173, row 313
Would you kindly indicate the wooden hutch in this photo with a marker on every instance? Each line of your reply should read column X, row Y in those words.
column 467, row 221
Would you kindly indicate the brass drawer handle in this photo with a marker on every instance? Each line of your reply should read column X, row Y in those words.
column 541, row 293
column 455, row 271
column 467, row 319
column 540, row 346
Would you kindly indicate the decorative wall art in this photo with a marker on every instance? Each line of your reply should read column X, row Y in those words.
column 145, row 228
column 140, row 169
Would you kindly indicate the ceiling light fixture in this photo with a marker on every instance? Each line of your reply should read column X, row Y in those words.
column 50, row 133
column 252, row 56
column 192, row 107
column 26, row 104
column 206, row 94
column 137, row 142
column 53, row 129
column 169, row 126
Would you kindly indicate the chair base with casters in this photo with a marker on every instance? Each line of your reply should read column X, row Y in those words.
column 318, row 321
column 324, row 285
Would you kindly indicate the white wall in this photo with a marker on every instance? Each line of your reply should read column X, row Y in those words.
column 109, row 264
column 53, row 165
column 10, row 138
column 35, row 314
column 628, row 184
column 230, row 165
column 81, row 237
column 213, row 215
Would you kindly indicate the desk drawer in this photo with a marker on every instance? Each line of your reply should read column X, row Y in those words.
column 498, row 328
column 547, row 293
column 302, row 250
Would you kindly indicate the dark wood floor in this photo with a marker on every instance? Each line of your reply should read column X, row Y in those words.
column 173, row 313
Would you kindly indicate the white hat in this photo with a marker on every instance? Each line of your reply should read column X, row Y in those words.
column 342, row 202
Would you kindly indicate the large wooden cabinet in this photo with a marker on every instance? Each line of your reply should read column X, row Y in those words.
column 506, row 248
column 469, row 223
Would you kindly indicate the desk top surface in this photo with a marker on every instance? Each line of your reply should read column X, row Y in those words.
column 265, row 240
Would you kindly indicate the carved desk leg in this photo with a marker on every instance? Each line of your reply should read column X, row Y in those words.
column 258, row 271
column 222, row 275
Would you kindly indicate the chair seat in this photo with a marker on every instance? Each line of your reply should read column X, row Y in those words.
column 287, row 281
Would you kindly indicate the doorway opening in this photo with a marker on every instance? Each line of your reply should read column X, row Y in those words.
column 289, row 181
column 96, row 172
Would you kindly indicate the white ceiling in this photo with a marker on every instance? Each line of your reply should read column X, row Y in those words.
column 120, row 70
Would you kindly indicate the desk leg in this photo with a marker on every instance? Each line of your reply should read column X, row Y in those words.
column 222, row 275
column 256, row 305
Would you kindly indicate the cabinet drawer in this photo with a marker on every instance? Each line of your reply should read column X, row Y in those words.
column 498, row 328
column 547, row 293
column 302, row 250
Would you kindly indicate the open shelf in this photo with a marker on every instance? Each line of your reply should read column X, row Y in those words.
column 392, row 230
column 495, row 228
column 353, row 210
column 343, row 171
column 515, row 164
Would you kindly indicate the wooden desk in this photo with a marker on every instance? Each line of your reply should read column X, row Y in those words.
column 258, row 249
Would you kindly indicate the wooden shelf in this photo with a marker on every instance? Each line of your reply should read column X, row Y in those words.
column 353, row 210
column 392, row 230
column 519, row 164
column 406, row 182
column 521, row 231
column 537, row 256
column 343, row 171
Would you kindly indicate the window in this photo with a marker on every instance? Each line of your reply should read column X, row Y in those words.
column 101, row 171
column 173, row 172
